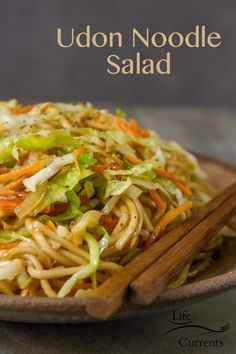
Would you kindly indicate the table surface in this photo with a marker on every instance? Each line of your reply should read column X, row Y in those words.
column 210, row 131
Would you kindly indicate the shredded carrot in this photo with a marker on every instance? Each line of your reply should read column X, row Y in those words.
column 131, row 128
column 166, row 219
column 171, row 215
column 9, row 204
column 7, row 195
column 27, row 170
column 4, row 192
column 144, row 133
column 108, row 166
column 123, row 126
column 161, row 172
column 137, row 130
column 132, row 158
column 51, row 225
column 16, row 184
column 159, row 202
column 24, row 109
column 135, row 144
column 133, row 125
column 3, row 170
column 9, row 245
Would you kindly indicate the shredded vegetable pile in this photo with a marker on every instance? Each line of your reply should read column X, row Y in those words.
column 83, row 192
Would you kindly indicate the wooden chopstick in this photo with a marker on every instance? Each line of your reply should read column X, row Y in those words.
column 146, row 288
column 110, row 295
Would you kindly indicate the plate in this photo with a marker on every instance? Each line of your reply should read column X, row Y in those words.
column 219, row 277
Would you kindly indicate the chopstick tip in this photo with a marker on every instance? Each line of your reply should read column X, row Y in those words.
column 101, row 307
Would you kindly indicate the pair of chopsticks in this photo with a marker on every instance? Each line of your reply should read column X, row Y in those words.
column 150, row 272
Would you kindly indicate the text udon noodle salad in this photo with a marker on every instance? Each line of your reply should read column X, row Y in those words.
column 84, row 191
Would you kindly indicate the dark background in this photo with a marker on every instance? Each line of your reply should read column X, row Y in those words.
column 33, row 67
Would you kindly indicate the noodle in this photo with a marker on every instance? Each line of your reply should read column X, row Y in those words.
column 131, row 228
column 46, row 287
column 55, row 272
column 82, row 191
column 123, row 220
column 146, row 220
column 45, row 246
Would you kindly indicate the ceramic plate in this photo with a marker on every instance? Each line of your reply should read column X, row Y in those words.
column 220, row 276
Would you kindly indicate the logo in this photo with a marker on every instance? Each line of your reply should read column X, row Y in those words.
column 181, row 321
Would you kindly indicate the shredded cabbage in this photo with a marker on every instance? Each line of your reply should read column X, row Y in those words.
column 85, row 271
column 136, row 170
column 57, row 188
column 104, row 241
column 35, row 142
column 42, row 176
column 117, row 187
column 10, row 269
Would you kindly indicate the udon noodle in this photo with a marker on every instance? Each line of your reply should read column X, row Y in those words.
column 83, row 192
